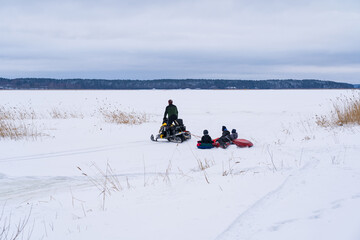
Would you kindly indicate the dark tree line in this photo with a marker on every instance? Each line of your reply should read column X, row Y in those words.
column 49, row 83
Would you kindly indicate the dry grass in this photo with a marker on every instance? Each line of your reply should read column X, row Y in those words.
column 230, row 167
column 166, row 175
column 120, row 117
column 346, row 111
column 106, row 181
column 17, row 113
column 13, row 123
column 17, row 131
column 11, row 230
column 205, row 164
column 56, row 113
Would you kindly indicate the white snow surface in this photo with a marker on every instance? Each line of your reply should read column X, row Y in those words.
column 298, row 181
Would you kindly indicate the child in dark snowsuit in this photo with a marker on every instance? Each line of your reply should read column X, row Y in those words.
column 233, row 135
column 206, row 138
column 225, row 137
column 206, row 141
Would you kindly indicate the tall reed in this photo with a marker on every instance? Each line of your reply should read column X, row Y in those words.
column 346, row 110
column 14, row 123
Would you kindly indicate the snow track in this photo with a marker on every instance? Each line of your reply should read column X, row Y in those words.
column 72, row 152
column 244, row 226
column 28, row 188
column 292, row 208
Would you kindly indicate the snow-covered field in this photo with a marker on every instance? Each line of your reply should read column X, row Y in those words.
column 299, row 181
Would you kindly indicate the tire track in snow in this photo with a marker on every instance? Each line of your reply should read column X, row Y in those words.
column 71, row 152
column 26, row 188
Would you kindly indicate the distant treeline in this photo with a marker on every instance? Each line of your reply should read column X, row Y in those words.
column 49, row 83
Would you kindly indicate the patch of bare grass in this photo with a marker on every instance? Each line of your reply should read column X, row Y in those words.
column 346, row 110
column 120, row 117
column 57, row 113
column 13, row 123
column 17, row 113
column 16, row 130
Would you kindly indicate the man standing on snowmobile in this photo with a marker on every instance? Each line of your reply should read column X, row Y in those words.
column 172, row 112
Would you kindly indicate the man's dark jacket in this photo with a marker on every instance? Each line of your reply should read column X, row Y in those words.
column 170, row 110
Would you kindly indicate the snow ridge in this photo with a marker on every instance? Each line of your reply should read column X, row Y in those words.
column 244, row 226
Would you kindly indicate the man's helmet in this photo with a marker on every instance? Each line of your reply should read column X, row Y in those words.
column 206, row 132
column 170, row 101
column 233, row 131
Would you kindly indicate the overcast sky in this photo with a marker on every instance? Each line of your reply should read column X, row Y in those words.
column 151, row 39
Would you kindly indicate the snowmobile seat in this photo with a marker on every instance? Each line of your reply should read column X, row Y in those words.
column 179, row 122
column 179, row 125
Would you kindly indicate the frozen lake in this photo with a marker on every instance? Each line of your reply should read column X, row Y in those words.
column 299, row 181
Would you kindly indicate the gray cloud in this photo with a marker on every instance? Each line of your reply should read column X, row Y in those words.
column 147, row 39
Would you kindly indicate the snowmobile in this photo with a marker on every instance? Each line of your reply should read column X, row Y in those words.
column 175, row 133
